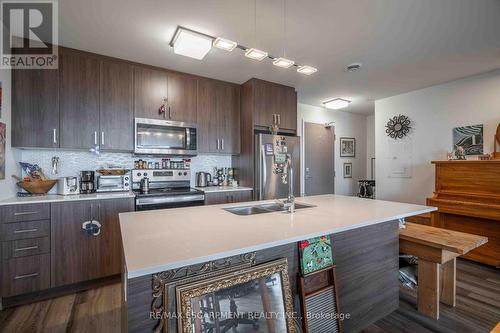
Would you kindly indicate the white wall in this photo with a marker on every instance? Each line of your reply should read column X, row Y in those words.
column 7, row 185
column 346, row 125
column 434, row 112
column 370, row 144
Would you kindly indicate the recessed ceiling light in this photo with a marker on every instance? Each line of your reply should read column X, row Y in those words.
column 283, row 62
column 307, row 70
column 224, row 44
column 191, row 43
column 337, row 103
column 255, row 54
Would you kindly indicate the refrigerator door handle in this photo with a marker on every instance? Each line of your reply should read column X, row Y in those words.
column 263, row 170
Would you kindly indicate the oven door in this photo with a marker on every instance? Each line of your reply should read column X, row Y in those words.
column 151, row 203
column 164, row 137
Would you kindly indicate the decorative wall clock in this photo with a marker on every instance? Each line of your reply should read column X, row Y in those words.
column 398, row 127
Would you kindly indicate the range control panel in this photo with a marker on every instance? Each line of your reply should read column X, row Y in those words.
column 161, row 175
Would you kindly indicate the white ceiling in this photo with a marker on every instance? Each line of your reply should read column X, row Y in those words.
column 403, row 44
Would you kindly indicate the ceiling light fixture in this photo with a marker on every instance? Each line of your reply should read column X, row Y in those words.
column 194, row 44
column 224, row 44
column 337, row 103
column 307, row 70
column 191, row 43
column 283, row 62
column 256, row 54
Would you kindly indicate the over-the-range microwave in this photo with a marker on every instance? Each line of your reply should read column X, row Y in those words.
column 165, row 137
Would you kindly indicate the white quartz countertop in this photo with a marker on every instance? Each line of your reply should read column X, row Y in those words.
column 211, row 189
column 63, row 198
column 160, row 240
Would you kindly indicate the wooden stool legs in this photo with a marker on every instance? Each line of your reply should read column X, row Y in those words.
column 448, row 282
column 436, row 283
column 428, row 288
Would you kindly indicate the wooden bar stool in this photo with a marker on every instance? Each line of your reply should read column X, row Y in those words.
column 437, row 250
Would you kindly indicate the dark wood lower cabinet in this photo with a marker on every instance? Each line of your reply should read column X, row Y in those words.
column 80, row 256
column 215, row 198
column 25, row 274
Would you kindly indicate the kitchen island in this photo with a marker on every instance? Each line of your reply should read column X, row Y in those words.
column 160, row 246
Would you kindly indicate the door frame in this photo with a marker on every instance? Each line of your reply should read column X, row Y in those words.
column 303, row 153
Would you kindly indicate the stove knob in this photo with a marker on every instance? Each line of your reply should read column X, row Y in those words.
column 126, row 178
column 126, row 184
column 180, row 173
column 145, row 174
column 138, row 174
column 185, row 173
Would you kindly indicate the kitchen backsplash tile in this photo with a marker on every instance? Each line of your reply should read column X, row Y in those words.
column 71, row 162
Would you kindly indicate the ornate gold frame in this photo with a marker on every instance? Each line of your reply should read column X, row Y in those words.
column 195, row 278
column 158, row 306
column 186, row 292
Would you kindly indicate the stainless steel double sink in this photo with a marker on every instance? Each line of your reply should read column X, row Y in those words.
column 262, row 208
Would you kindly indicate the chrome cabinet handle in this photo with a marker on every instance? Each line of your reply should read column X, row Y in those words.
column 54, row 135
column 25, row 213
column 218, row 144
column 102, row 138
column 22, row 231
column 95, row 137
column 25, row 276
column 274, row 119
column 222, row 144
column 169, row 112
column 279, row 119
column 26, row 248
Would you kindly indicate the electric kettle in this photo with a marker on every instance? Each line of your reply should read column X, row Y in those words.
column 203, row 178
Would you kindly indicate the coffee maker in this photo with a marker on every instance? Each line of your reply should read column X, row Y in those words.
column 87, row 182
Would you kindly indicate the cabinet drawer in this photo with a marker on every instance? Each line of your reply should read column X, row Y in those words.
column 18, row 213
column 24, row 230
column 25, row 247
column 26, row 274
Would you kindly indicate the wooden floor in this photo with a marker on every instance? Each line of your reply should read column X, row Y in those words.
column 477, row 310
column 98, row 310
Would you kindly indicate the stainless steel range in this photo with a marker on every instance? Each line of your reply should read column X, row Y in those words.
column 164, row 188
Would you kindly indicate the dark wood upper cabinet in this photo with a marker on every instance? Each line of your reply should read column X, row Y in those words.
column 264, row 102
column 274, row 103
column 228, row 117
column 35, row 108
column 218, row 117
column 79, row 99
column 207, row 117
column 116, row 106
column 182, row 91
column 150, row 92
column 289, row 109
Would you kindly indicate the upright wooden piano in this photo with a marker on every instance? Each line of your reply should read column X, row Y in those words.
column 467, row 194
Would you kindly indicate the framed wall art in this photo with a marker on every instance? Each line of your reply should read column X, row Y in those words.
column 256, row 299
column 347, row 147
column 470, row 138
column 348, row 170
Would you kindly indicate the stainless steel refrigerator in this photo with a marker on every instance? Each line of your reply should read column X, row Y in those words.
column 268, row 185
